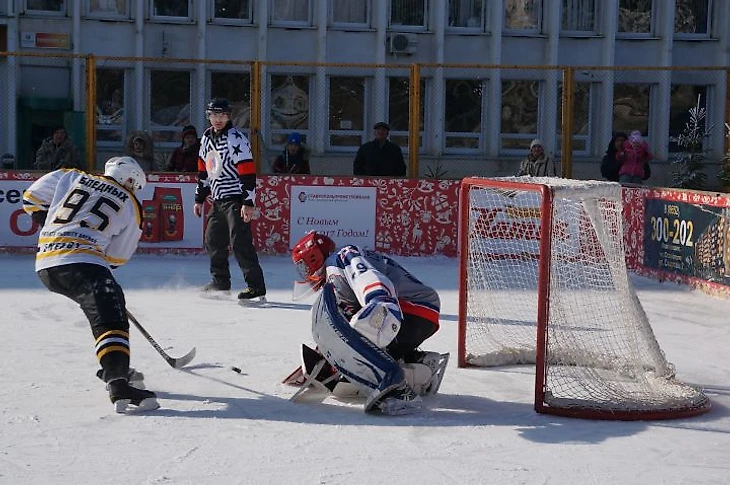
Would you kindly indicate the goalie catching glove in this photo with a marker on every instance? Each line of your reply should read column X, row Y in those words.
column 379, row 321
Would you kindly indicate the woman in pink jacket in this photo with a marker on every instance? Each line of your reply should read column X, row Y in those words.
column 634, row 158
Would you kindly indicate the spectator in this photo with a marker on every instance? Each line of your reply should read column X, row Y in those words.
column 635, row 166
column 537, row 163
column 371, row 313
column 611, row 163
column 294, row 159
column 227, row 174
column 185, row 157
column 379, row 157
column 77, row 251
column 141, row 148
column 57, row 151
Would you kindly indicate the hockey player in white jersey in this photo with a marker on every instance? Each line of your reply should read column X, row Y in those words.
column 368, row 321
column 91, row 224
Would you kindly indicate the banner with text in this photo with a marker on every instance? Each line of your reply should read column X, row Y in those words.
column 345, row 214
column 687, row 239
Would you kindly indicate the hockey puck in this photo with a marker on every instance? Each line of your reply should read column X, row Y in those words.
column 237, row 370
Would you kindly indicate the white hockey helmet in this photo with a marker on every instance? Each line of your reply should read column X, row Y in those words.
column 127, row 172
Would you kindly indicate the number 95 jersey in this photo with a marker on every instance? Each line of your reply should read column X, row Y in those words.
column 91, row 219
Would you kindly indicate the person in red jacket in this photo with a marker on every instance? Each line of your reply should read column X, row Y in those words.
column 185, row 157
column 634, row 159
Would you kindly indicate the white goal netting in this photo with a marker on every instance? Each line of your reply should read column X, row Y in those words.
column 595, row 352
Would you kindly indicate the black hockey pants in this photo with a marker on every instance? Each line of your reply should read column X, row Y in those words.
column 226, row 228
column 100, row 297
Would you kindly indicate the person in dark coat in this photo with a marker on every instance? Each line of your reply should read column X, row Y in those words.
column 185, row 157
column 611, row 163
column 294, row 159
column 380, row 157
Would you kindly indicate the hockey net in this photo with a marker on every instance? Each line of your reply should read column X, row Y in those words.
column 543, row 281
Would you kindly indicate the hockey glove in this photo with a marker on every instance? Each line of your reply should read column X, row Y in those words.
column 379, row 321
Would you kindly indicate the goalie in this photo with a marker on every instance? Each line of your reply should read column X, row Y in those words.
column 368, row 321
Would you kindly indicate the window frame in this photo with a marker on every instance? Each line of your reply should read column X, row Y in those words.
column 230, row 21
column 482, row 28
column 595, row 29
column 292, row 23
column 425, row 94
column 364, row 132
column 156, row 128
column 123, row 125
column 536, row 31
column 171, row 19
column 521, row 152
column 106, row 15
column 638, row 35
column 408, row 28
column 32, row 12
column 272, row 134
column 478, row 135
column 350, row 25
column 694, row 35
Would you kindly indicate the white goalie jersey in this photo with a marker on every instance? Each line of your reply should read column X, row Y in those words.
column 90, row 219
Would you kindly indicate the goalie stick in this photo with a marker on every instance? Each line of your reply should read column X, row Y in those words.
column 175, row 363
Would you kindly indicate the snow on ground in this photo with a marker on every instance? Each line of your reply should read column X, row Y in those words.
column 219, row 427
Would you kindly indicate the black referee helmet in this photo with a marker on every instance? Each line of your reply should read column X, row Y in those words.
column 218, row 105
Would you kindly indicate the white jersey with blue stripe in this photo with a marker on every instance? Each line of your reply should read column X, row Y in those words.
column 359, row 275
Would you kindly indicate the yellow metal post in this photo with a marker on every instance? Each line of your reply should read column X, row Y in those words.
column 566, row 147
column 90, row 115
column 414, row 120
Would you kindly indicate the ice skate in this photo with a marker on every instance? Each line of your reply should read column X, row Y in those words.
column 134, row 377
column 395, row 400
column 252, row 297
column 126, row 398
column 216, row 291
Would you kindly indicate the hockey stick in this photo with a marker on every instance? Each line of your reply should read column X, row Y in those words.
column 176, row 363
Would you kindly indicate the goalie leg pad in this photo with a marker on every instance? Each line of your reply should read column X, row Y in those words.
column 361, row 361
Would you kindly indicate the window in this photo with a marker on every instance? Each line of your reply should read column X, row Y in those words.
column 631, row 107
column 111, row 126
column 522, row 15
column 295, row 12
column 408, row 13
column 520, row 103
column 581, row 117
column 289, row 106
column 45, row 6
column 692, row 17
column 108, row 8
column 634, row 16
column 579, row 15
column 236, row 88
column 399, row 110
column 233, row 10
column 350, row 11
column 171, row 8
column 169, row 104
column 346, row 111
column 467, row 14
column 684, row 97
column 463, row 114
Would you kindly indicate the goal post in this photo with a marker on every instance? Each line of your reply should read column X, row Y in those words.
column 543, row 281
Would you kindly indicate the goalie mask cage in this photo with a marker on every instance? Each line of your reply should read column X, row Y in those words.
column 543, row 280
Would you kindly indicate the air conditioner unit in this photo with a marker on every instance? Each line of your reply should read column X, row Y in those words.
column 403, row 44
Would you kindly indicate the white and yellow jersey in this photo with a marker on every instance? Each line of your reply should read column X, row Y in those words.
column 91, row 219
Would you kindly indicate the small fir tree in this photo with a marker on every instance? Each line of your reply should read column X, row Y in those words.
column 689, row 164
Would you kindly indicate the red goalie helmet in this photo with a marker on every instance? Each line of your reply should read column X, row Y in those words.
column 309, row 255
